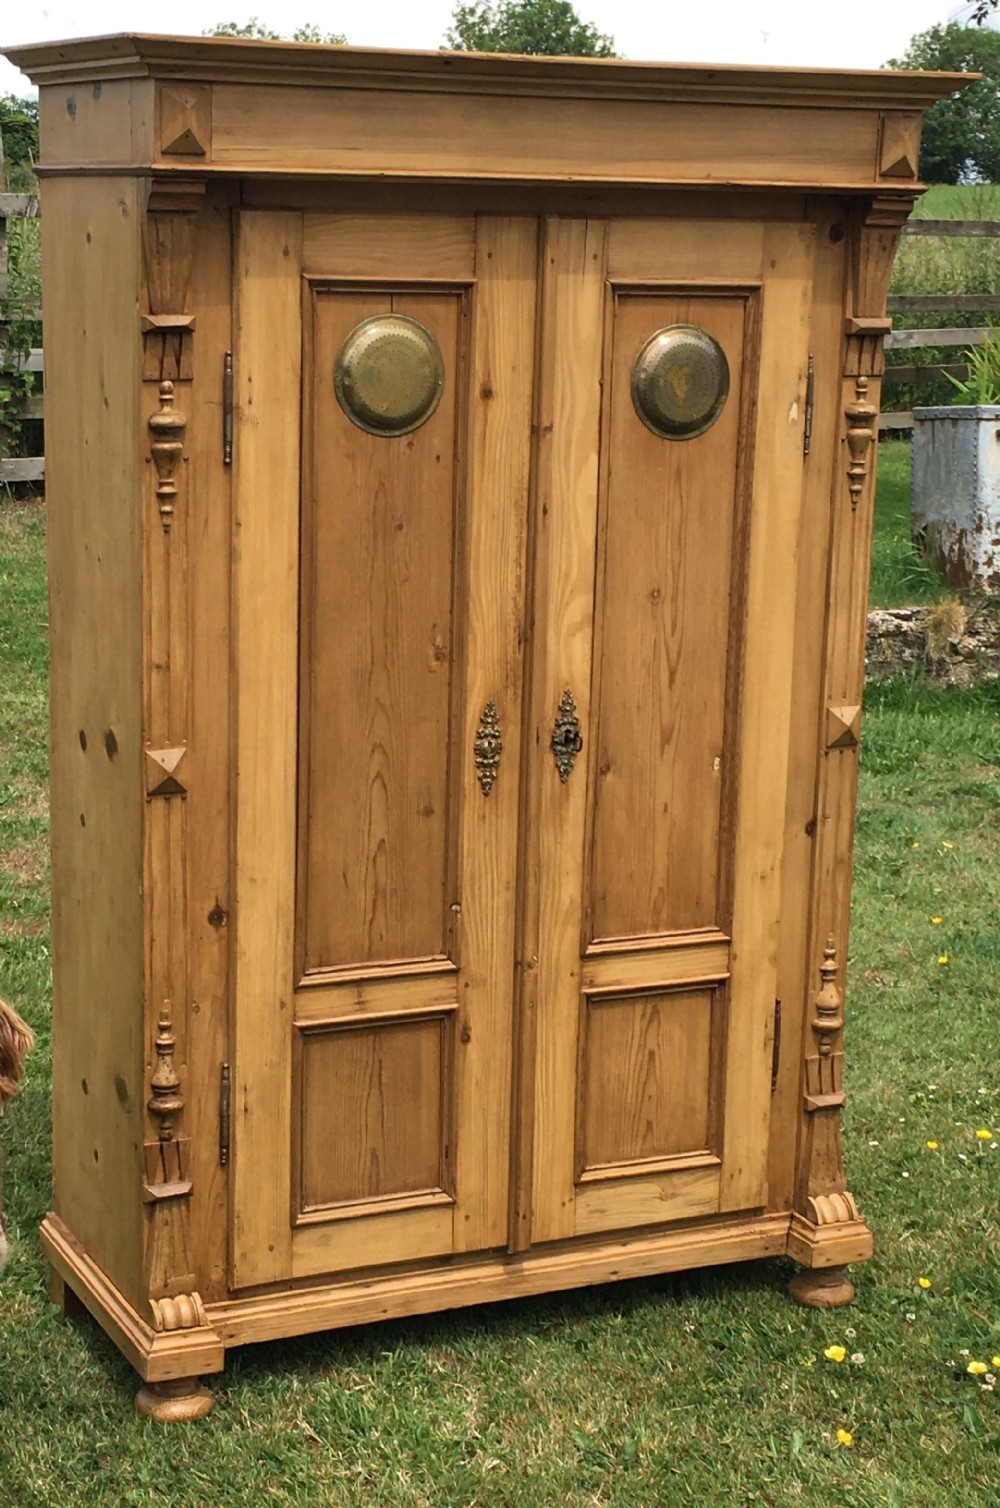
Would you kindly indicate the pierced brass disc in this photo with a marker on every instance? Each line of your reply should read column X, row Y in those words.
column 389, row 375
column 680, row 382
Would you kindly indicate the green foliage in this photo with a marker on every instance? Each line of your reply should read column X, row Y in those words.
column 547, row 27
column 983, row 382
column 961, row 136
column 19, row 128
column 256, row 30
column 20, row 329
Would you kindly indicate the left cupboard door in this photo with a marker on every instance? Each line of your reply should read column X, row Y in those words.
column 381, row 484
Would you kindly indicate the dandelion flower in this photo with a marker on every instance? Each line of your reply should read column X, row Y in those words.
column 936, row 920
column 923, row 1283
column 977, row 1368
column 943, row 958
column 984, row 1135
column 932, row 1146
column 838, row 1353
column 844, row 1437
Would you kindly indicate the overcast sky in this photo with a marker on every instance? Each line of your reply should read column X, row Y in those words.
column 850, row 34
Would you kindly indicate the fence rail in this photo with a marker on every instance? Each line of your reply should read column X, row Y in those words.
column 937, row 303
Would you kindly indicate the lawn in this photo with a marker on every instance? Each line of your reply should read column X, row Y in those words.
column 710, row 1389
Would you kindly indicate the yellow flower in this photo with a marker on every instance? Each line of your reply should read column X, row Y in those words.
column 984, row 1135
column 844, row 1437
column 977, row 1368
column 914, row 845
column 995, row 1361
column 924, row 1283
column 942, row 958
column 932, row 1146
column 946, row 844
column 936, row 920
column 835, row 1353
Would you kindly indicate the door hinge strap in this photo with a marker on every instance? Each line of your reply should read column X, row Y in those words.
column 225, row 1113
column 227, row 409
column 776, row 1049
column 810, row 394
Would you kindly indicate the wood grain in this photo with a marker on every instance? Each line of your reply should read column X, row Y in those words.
column 566, row 479
column 496, row 135
column 765, row 708
column 91, row 273
column 373, row 1101
column 378, row 561
column 645, row 1077
column 367, row 245
column 265, row 493
column 662, row 647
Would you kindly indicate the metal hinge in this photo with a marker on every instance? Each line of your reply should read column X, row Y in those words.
column 227, row 409
column 225, row 1113
column 810, row 390
column 776, row 1049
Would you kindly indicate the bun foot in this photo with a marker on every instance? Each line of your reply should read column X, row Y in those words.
column 174, row 1402
column 821, row 1287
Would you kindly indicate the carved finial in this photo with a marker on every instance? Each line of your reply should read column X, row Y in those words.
column 488, row 747
column 829, row 1020
column 861, row 418
column 167, row 427
column 166, row 1101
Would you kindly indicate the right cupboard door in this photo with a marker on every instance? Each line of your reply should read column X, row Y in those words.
column 669, row 473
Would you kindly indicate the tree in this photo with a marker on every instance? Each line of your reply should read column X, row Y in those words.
column 255, row 28
column 961, row 138
column 550, row 27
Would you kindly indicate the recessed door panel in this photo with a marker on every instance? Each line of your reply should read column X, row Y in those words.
column 380, row 556
column 645, row 1080
column 662, row 637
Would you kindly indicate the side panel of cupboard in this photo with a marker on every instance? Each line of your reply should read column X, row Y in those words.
column 91, row 270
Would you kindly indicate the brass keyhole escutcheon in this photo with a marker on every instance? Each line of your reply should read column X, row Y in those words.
column 567, row 740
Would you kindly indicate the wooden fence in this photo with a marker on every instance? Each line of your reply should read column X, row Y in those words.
column 32, row 468
column 936, row 303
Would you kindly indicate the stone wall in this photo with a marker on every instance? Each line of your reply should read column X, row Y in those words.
column 952, row 643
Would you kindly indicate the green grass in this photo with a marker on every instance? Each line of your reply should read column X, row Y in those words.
column 706, row 1388
column 900, row 576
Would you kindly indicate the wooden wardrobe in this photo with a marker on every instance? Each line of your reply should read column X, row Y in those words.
column 460, row 474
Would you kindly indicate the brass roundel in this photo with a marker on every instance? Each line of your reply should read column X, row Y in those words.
column 680, row 382
column 389, row 375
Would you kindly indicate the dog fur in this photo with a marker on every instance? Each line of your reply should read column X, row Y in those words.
column 16, row 1040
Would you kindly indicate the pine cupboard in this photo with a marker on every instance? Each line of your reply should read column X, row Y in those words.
column 460, row 477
